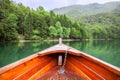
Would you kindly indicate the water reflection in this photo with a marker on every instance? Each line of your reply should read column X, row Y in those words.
column 106, row 50
column 10, row 52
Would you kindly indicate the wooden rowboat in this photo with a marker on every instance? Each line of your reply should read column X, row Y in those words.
column 60, row 62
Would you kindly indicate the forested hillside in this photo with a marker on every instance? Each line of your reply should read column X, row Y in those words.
column 91, row 9
column 18, row 22
column 104, row 25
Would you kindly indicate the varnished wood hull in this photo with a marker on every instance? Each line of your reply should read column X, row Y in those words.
column 44, row 66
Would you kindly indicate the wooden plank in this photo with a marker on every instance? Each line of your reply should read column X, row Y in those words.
column 106, row 65
column 33, row 70
column 89, row 72
column 12, row 73
column 43, row 70
column 77, row 70
column 99, row 69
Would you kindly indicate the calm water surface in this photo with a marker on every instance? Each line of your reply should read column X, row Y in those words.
column 108, row 51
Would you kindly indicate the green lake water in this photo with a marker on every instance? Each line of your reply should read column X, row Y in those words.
column 108, row 51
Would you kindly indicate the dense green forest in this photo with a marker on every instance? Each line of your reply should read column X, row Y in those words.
column 104, row 25
column 18, row 22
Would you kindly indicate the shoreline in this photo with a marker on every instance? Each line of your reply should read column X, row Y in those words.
column 47, row 40
column 55, row 40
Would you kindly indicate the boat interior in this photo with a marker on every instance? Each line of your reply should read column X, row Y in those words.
column 59, row 66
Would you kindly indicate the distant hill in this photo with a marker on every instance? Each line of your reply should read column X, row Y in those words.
column 90, row 9
column 110, row 19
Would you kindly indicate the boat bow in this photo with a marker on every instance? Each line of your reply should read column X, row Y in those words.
column 60, row 48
